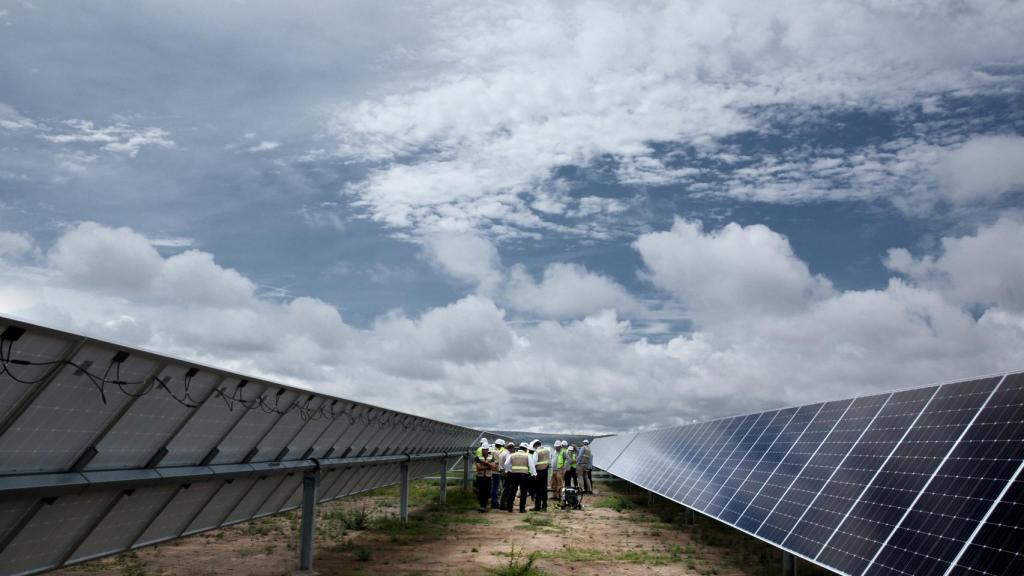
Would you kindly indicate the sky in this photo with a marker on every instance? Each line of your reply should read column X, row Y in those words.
column 587, row 217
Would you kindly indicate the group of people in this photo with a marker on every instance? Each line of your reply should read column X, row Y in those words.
column 504, row 470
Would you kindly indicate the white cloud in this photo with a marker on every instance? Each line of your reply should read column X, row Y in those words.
column 983, row 168
column 732, row 272
column 466, row 257
column 791, row 338
column 11, row 119
column 95, row 256
column 15, row 246
column 985, row 269
column 515, row 92
column 566, row 291
column 264, row 146
column 119, row 137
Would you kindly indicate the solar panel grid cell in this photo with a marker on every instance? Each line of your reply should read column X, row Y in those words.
column 710, row 463
column 741, row 496
column 731, row 454
column 996, row 548
column 688, row 457
column 729, row 475
column 669, row 465
column 827, row 459
column 880, row 508
column 844, row 489
column 792, row 467
column 706, row 486
column 960, row 493
column 701, row 456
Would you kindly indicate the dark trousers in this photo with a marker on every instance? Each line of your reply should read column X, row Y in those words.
column 570, row 478
column 517, row 485
column 483, row 490
column 540, row 490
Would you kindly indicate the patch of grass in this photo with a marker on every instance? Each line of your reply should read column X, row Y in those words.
column 519, row 564
column 363, row 554
column 617, row 503
column 129, row 564
column 571, row 554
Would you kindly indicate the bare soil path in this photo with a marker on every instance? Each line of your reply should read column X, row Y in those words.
column 615, row 534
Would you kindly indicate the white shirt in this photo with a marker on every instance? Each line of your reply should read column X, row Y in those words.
column 507, row 465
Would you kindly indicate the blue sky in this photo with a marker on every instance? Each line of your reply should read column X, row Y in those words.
column 675, row 210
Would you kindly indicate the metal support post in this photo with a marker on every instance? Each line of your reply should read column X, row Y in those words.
column 650, row 498
column 310, row 482
column 403, row 493
column 443, row 497
column 466, row 480
column 690, row 517
column 788, row 564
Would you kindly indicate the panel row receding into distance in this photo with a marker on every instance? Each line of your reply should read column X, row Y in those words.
column 919, row 482
column 104, row 448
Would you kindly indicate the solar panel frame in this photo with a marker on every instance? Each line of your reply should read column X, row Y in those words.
column 183, row 457
column 958, row 415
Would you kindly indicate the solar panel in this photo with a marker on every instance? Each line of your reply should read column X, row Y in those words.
column 921, row 481
column 105, row 448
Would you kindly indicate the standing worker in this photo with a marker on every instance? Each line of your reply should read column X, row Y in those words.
column 558, row 474
column 540, row 487
column 570, row 468
column 499, row 453
column 485, row 467
column 522, row 473
column 585, row 464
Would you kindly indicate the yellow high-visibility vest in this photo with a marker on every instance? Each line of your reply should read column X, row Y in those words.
column 573, row 460
column 520, row 463
column 543, row 458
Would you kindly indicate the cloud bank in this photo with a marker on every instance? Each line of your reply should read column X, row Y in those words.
column 789, row 336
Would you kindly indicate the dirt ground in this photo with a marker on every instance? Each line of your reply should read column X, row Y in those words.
column 615, row 534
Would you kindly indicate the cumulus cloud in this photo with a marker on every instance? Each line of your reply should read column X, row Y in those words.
column 732, row 272
column 983, row 168
column 95, row 256
column 793, row 338
column 466, row 257
column 566, row 291
column 518, row 91
column 983, row 269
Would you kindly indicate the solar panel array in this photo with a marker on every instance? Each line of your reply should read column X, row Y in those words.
column 105, row 448
column 918, row 482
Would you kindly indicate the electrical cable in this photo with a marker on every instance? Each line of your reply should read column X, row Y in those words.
column 186, row 399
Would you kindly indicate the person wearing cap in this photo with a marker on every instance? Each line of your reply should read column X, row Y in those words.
column 558, row 472
column 522, row 473
column 570, row 468
column 485, row 468
column 499, row 453
column 542, row 461
column 584, row 465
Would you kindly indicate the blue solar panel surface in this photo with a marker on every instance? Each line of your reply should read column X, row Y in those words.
column 915, row 482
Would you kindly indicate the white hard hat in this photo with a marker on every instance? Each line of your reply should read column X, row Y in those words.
column 572, row 448
column 535, row 442
column 483, row 441
column 499, row 442
column 485, row 447
column 586, row 441
column 523, row 445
